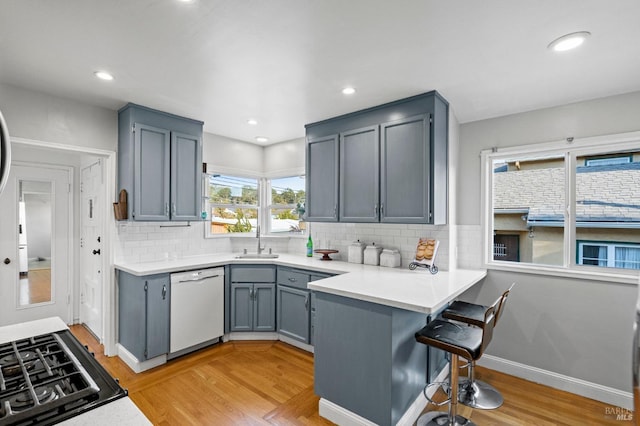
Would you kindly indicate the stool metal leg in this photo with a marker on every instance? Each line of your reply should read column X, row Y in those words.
column 478, row 394
column 439, row 418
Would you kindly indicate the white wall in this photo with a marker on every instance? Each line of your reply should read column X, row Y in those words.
column 226, row 155
column 581, row 329
column 284, row 158
column 42, row 117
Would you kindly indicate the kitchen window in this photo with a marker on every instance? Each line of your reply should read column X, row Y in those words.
column 238, row 204
column 570, row 205
column 233, row 204
column 286, row 206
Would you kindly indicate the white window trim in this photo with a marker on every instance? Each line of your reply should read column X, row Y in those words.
column 570, row 149
column 209, row 205
column 264, row 206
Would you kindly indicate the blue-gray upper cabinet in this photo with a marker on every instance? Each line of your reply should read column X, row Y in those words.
column 359, row 175
column 159, row 164
column 322, row 179
column 392, row 162
column 404, row 179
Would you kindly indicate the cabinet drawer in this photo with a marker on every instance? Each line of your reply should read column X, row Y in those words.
column 292, row 278
column 244, row 274
column 315, row 276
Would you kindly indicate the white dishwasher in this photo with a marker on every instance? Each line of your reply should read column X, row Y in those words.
column 197, row 308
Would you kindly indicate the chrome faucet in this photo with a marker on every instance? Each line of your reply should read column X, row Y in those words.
column 258, row 237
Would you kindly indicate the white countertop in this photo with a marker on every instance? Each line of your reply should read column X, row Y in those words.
column 9, row 333
column 119, row 412
column 417, row 290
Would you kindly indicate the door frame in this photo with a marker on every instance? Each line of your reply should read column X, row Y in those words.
column 109, row 296
column 57, row 295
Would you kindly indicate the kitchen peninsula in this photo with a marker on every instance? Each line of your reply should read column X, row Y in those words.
column 368, row 367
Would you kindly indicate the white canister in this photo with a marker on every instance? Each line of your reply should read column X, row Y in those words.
column 372, row 255
column 356, row 252
column 390, row 258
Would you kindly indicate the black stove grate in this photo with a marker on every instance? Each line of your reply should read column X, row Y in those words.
column 48, row 378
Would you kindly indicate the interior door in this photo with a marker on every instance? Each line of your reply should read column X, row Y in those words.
column 93, row 207
column 44, row 290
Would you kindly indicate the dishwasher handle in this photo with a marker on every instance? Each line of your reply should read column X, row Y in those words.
column 196, row 279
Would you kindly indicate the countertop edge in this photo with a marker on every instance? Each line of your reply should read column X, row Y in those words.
column 422, row 292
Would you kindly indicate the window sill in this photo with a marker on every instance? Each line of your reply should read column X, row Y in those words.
column 615, row 277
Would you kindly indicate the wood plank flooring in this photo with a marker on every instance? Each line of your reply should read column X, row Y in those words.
column 271, row 383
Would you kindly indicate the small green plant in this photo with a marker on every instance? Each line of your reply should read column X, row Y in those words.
column 242, row 225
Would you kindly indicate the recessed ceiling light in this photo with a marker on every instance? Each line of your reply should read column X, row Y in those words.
column 568, row 41
column 252, row 122
column 103, row 75
column 348, row 91
column 262, row 139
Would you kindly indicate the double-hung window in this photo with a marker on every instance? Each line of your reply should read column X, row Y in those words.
column 286, row 207
column 239, row 204
column 233, row 204
column 570, row 205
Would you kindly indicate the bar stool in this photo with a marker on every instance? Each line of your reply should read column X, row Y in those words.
column 459, row 341
column 476, row 393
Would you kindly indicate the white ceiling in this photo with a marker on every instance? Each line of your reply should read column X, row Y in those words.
column 284, row 62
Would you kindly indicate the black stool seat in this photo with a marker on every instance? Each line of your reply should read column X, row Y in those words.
column 475, row 393
column 450, row 337
column 460, row 341
column 469, row 313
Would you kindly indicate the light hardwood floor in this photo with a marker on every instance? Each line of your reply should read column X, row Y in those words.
column 271, row 383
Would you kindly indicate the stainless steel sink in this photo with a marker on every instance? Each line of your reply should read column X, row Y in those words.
column 257, row 256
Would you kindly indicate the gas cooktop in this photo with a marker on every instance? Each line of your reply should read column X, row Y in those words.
column 49, row 378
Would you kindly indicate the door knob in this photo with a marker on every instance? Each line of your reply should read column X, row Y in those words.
column 7, row 261
column 96, row 251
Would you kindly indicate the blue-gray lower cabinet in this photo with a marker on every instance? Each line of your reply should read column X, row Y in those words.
column 293, row 313
column 143, row 314
column 366, row 357
column 253, row 307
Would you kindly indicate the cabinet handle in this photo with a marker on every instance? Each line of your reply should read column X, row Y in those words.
column 173, row 209
column 306, row 303
column 164, row 292
column 293, row 280
column 335, row 210
column 166, row 209
column 375, row 210
column 252, row 293
column 382, row 209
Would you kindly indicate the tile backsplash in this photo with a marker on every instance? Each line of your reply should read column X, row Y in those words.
column 152, row 241
column 157, row 241
column 403, row 237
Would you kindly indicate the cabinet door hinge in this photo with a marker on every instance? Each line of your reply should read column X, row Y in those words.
column 133, row 128
column 146, row 354
column 146, row 286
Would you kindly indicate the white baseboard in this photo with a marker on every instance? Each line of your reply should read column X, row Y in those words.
column 248, row 335
column 580, row 387
column 297, row 344
column 343, row 417
column 137, row 365
column 412, row 414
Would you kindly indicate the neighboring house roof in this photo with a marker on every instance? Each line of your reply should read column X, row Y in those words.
column 608, row 194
